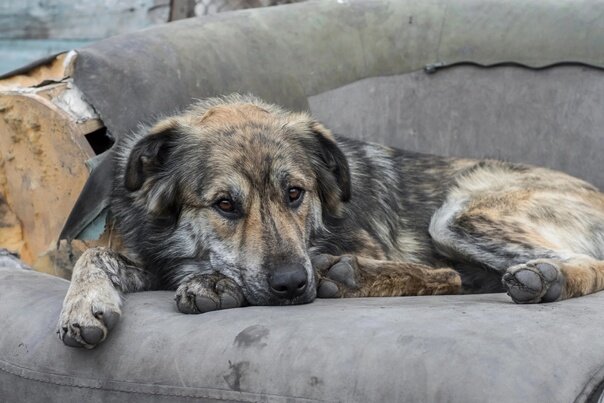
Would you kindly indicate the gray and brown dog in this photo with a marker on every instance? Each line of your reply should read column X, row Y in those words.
column 240, row 202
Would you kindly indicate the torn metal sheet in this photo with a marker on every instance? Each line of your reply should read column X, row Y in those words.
column 95, row 229
column 91, row 202
column 50, row 69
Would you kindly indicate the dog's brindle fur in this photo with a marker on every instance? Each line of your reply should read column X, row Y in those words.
column 370, row 221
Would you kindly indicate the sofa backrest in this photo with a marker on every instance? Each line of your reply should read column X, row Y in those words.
column 549, row 117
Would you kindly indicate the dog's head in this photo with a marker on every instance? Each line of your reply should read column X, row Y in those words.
column 244, row 185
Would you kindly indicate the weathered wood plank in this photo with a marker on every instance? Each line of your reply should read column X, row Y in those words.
column 45, row 125
column 44, row 152
column 51, row 70
column 11, row 235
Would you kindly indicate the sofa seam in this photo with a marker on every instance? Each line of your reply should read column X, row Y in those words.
column 206, row 393
column 591, row 386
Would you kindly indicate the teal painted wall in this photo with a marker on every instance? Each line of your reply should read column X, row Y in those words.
column 31, row 29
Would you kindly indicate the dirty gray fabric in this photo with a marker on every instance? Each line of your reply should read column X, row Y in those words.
column 551, row 118
column 478, row 348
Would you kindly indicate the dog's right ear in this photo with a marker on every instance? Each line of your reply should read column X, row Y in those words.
column 148, row 156
column 330, row 166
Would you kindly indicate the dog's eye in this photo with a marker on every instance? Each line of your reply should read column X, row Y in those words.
column 295, row 196
column 228, row 209
column 226, row 205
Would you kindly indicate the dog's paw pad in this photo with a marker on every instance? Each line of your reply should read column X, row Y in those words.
column 86, row 323
column 228, row 301
column 521, row 292
column 338, row 274
column 208, row 292
column 206, row 304
column 322, row 263
column 548, row 271
column 328, row 289
column 529, row 280
column 533, row 282
column 343, row 272
column 186, row 301
column 553, row 293
column 92, row 334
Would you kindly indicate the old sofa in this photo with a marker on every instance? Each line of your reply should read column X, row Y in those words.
column 500, row 78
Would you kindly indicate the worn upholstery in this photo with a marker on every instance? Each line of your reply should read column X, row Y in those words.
column 463, row 349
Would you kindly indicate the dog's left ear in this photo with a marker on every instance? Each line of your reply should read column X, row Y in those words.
column 147, row 168
column 331, row 168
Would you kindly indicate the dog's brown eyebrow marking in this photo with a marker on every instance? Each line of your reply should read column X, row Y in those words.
column 225, row 190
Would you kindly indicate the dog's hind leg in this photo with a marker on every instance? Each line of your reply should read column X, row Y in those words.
column 533, row 269
column 353, row 276
column 542, row 231
column 92, row 304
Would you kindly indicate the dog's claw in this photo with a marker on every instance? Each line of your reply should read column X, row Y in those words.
column 338, row 275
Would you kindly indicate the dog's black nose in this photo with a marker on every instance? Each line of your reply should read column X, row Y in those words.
column 288, row 281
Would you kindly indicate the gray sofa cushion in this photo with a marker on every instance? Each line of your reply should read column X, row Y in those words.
column 452, row 348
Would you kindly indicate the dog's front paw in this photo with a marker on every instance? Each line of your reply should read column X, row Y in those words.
column 86, row 319
column 208, row 292
column 338, row 276
column 536, row 281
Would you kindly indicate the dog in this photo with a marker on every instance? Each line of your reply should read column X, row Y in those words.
column 239, row 202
